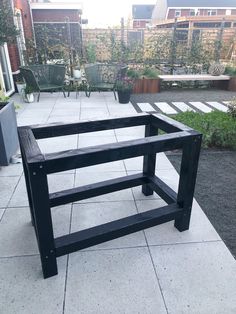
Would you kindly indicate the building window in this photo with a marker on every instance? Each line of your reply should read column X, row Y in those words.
column 211, row 12
column 177, row 13
column 192, row 12
column 228, row 12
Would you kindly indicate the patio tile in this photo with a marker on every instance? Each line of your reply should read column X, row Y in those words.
column 85, row 140
column 64, row 119
column 56, row 182
column 200, row 228
column 98, row 113
column 89, row 215
column 23, row 289
column 83, row 178
column 11, row 170
column 105, row 133
column 8, row 185
column 22, row 121
column 17, row 236
column 69, row 112
column 196, row 278
column 55, row 144
column 132, row 131
column 114, row 281
column 1, row 213
column 109, row 166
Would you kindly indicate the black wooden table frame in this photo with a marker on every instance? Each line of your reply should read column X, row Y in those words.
column 38, row 165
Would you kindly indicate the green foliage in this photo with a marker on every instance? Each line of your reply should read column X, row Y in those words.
column 229, row 70
column 8, row 31
column 218, row 128
column 4, row 98
column 28, row 90
column 150, row 73
column 134, row 74
column 124, row 84
column 91, row 53
column 232, row 108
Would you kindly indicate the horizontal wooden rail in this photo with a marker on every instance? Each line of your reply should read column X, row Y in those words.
column 115, row 229
column 94, row 155
column 163, row 190
column 92, row 190
column 62, row 129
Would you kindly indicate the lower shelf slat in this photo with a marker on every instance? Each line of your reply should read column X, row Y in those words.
column 115, row 229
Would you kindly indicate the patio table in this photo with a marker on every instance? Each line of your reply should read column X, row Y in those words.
column 38, row 165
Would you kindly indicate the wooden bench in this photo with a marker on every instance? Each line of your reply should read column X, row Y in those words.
column 220, row 81
column 38, row 165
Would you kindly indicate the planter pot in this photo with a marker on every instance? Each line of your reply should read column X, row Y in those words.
column 232, row 84
column 124, row 97
column 20, row 87
column 76, row 74
column 8, row 133
column 146, row 85
column 29, row 97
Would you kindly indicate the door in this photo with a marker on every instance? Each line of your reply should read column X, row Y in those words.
column 7, row 79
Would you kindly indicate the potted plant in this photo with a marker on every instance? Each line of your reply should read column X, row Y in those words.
column 124, row 87
column 8, row 131
column 27, row 93
column 146, row 80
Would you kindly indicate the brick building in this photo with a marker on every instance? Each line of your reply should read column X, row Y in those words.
column 170, row 9
column 61, row 20
column 142, row 15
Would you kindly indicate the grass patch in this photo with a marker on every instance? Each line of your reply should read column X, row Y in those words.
column 218, row 128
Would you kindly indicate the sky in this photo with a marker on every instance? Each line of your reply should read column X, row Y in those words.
column 104, row 13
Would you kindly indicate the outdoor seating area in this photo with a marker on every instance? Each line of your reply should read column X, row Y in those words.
column 44, row 77
column 103, row 77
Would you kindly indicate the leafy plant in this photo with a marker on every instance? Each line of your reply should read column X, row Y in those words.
column 218, row 128
column 229, row 70
column 134, row 74
column 4, row 98
column 8, row 31
column 150, row 73
column 28, row 90
column 124, row 84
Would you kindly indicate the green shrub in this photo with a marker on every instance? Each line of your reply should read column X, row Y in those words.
column 218, row 128
column 150, row 73
column 229, row 70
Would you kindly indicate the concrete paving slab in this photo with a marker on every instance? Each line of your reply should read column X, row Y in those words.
column 55, row 144
column 165, row 107
column 106, row 167
column 145, row 106
column 56, row 182
column 200, row 106
column 86, row 141
column 196, row 277
column 113, row 281
column 1, row 213
column 84, row 179
column 17, row 236
column 182, row 106
column 12, row 170
column 200, row 230
column 23, row 290
column 218, row 105
column 89, row 215
column 8, row 185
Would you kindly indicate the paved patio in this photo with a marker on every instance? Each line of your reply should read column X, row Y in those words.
column 159, row 270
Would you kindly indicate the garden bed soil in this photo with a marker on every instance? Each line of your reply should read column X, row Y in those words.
column 216, row 191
